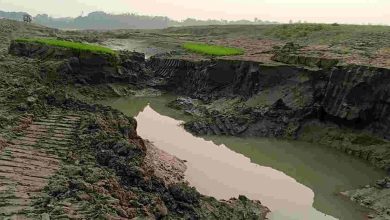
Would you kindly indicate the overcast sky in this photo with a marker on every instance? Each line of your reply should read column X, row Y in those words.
column 342, row 11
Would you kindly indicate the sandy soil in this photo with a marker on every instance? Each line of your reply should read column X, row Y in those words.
column 165, row 166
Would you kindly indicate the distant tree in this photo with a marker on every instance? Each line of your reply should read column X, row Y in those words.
column 101, row 21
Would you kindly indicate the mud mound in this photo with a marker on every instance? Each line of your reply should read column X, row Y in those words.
column 85, row 67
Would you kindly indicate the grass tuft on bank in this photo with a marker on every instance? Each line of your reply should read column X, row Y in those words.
column 69, row 44
column 213, row 50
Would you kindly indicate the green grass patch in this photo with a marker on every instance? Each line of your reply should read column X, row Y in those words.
column 69, row 44
column 212, row 50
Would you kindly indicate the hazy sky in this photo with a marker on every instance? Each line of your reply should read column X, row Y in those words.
column 343, row 11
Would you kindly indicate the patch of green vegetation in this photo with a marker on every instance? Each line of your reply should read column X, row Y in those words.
column 212, row 50
column 69, row 44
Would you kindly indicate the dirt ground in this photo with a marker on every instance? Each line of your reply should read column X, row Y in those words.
column 166, row 166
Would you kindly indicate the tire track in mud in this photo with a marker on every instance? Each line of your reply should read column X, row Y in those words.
column 29, row 160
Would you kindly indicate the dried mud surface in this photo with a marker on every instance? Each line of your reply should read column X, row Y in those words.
column 28, row 161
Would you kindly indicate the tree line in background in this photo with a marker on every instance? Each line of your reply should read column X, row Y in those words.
column 102, row 20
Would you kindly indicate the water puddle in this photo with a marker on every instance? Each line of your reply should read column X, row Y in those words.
column 134, row 45
column 295, row 180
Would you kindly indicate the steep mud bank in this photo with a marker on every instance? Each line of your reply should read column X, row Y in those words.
column 291, row 91
column 360, row 97
column 225, row 78
column 354, row 96
column 254, row 99
column 82, row 66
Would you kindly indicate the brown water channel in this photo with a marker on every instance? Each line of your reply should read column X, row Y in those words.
column 295, row 180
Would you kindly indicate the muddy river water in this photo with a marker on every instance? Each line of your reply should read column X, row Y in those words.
column 295, row 180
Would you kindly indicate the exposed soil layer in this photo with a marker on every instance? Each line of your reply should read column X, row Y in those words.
column 281, row 96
